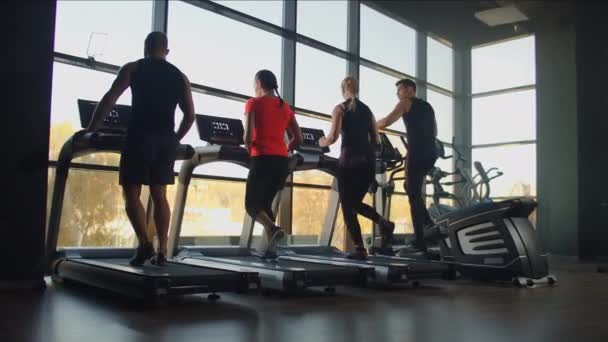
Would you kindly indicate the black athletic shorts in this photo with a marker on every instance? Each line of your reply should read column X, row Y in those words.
column 148, row 159
column 266, row 177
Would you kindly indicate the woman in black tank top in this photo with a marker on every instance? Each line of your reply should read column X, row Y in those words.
column 356, row 167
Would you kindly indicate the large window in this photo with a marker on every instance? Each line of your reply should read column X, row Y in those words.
column 503, row 65
column 220, row 55
column 65, row 119
column 93, row 211
column 518, row 163
column 325, row 21
column 387, row 41
column 378, row 91
column 318, row 78
column 316, row 176
column 506, row 118
column 305, row 225
column 220, row 52
column 110, row 31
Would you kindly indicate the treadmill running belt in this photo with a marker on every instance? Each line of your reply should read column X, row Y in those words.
column 172, row 269
column 278, row 264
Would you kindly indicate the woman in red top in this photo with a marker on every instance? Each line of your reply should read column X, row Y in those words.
column 268, row 117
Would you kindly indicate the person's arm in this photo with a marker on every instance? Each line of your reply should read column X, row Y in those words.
column 374, row 137
column 120, row 84
column 187, row 106
column 336, row 127
column 249, row 127
column 400, row 109
column 249, row 122
column 293, row 130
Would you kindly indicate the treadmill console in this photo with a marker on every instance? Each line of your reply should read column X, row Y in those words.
column 388, row 153
column 220, row 130
column 116, row 122
column 310, row 142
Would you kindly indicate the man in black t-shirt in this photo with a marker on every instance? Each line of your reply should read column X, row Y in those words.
column 419, row 118
column 148, row 155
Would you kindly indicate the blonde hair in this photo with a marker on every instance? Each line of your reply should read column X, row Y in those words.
column 350, row 83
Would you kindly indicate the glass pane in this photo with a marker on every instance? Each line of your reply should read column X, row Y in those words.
column 401, row 215
column 440, row 64
column 444, row 114
column 270, row 11
column 518, row 163
column 214, row 213
column 505, row 117
column 387, row 41
column 65, row 119
column 219, row 52
column 378, row 91
column 325, row 21
column 503, row 65
column 94, row 212
column 315, row 176
column 111, row 31
column 318, row 79
column 309, row 210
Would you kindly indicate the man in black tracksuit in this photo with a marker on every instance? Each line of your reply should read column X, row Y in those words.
column 419, row 119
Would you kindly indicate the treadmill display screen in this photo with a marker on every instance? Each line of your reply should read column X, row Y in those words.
column 310, row 143
column 117, row 120
column 220, row 130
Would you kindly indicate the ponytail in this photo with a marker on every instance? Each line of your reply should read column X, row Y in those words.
column 276, row 91
column 351, row 84
column 353, row 104
column 269, row 82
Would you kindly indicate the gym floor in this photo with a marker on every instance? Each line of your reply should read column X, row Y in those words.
column 575, row 310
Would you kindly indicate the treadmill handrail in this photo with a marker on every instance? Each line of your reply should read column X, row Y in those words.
column 204, row 155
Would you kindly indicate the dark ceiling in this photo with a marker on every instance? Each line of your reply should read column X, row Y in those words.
column 455, row 21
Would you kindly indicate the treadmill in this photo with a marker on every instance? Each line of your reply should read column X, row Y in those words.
column 388, row 270
column 225, row 137
column 108, row 268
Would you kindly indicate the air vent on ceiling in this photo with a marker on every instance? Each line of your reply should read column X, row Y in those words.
column 501, row 16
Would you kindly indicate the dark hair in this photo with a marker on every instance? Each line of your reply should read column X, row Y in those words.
column 269, row 82
column 155, row 41
column 406, row 82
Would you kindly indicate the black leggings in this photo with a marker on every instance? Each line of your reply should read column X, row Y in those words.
column 353, row 183
column 417, row 169
column 266, row 177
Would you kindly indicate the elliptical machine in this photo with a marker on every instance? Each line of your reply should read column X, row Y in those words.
column 490, row 241
column 464, row 179
column 482, row 186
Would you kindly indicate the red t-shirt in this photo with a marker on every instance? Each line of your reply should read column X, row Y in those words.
column 268, row 136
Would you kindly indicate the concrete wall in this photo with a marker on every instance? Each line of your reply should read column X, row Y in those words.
column 557, row 133
column 592, row 94
column 572, row 121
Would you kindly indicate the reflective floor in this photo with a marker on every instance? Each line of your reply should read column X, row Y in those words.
column 575, row 310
